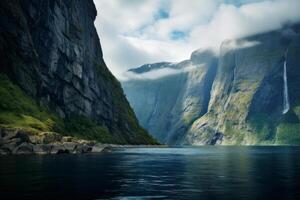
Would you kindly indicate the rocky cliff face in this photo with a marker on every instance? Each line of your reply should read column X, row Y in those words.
column 167, row 106
column 246, row 106
column 246, row 99
column 51, row 50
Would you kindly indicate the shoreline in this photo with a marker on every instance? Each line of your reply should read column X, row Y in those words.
column 18, row 141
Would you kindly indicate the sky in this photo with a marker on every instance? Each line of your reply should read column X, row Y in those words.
column 136, row 32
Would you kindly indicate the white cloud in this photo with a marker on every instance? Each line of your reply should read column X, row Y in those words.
column 131, row 34
column 158, row 73
column 239, row 44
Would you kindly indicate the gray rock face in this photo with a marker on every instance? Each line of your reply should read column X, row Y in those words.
column 42, row 148
column 236, row 98
column 247, row 96
column 24, row 148
column 167, row 106
column 98, row 148
column 51, row 49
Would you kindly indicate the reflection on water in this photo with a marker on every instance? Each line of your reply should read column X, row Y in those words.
column 156, row 173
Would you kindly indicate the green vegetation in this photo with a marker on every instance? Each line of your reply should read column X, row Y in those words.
column 267, row 130
column 297, row 111
column 103, row 71
column 233, row 133
column 260, row 124
column 288, row 133
column 126, row 117
column 19, row 111
column 84, row 128
column 189, row 118
column 290, row 117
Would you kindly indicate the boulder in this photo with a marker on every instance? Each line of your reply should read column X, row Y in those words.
column 83, row 148
column 97, row 148
column 6, row 149
column 16, row 136
column 8, row 134
column 57, row 148
column 70, row 146
column 20, row 142
column 87, row 142
column 24, row 148
column 10, row 145
column 42, row 148
column 46, row 138
column 67, row 139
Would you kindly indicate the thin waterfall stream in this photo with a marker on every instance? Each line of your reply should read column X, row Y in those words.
column 286, row 103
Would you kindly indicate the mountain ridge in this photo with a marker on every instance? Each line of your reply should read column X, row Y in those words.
column 246, row 98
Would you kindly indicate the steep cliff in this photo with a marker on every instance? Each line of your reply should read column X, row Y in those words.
column 50, row 49
column 247, row 98
column 245, row 101
column 166, row 106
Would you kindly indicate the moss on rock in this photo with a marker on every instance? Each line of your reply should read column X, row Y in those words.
column 20, row 111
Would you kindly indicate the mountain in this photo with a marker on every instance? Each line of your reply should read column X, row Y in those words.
column 167, row 106
column 240, row 96
column 54, row 78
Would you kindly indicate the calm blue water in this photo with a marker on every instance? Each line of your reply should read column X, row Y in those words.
column 154, row 173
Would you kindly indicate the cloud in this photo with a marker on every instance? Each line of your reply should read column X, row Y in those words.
column 231, row 22
column 158, row 73
column 239, row 44
column 135, row 32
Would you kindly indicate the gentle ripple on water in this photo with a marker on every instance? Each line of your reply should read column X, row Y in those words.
column 156, row 173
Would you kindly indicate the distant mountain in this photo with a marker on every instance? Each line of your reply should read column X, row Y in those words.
column 150, row 67
column 237, row 97
column 167, row 106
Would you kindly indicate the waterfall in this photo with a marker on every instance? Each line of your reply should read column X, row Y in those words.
column 286, row 103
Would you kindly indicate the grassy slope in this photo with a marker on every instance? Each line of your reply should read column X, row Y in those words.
column 17, row 110
column 127, row 118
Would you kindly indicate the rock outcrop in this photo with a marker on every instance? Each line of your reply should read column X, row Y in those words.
column 14, row 141
column 50, row 49
column 244, row 104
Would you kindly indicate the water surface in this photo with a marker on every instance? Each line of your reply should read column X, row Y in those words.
column 156, row 173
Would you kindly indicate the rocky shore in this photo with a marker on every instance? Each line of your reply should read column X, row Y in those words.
column 14, row 141
column 18, row 141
